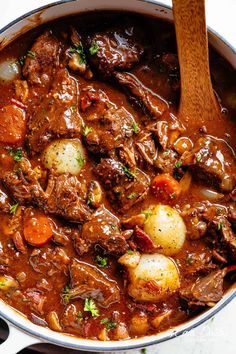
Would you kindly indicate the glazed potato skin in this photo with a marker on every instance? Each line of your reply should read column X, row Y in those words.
column 64, row 156
column 155, row 278
column 166, row 228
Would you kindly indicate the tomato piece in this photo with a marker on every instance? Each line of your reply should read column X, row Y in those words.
column 165, row 187
column 12, row 125
column 37, row 227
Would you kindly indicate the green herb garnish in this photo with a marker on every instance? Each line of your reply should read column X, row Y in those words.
column 132, row 195
column 130, row 252
column 90, row 306
column 13, row 208
column 81, row 160
column 147, row 213
column 220, row 226
column 94, row 48
column 114, row 227
column 198, row 157
column 101, row 261
column 2, row 283
column 189, row 259
column 135, row 128
column 108, row 323
column 31, row 54
column 86, row 130
column 16, row 154
column 79, row 50
column 66, row 294
column 178, row 164
column 129, row 173
column 166, row 153
column 79, row 316
column 144, row 351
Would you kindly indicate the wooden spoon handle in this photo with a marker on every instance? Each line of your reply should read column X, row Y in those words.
column 198, row 101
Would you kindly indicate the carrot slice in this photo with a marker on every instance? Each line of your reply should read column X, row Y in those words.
column 165, row 187
column 37, row 227
column 12, row 125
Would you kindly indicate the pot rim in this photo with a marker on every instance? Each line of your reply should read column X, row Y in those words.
column 65, row 340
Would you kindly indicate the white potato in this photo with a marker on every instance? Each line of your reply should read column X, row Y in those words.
column 64, row 155
column 166, row 228
column 9, row 70
column 155, row 278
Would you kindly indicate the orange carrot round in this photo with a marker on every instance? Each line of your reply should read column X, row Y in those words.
column 37, row 227
column 165, row 187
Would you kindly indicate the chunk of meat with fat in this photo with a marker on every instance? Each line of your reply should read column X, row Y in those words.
column 102, row 230
column 205, row 290
column 57, row 114
column 40, row 67
column 149, row 101
column 64, row 195
column 89, row 282
column 117, row 49
column 124, row 187
column 212, row 161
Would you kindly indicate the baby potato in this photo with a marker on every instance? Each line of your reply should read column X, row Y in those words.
column 155, row 278
column 64, row 155
column 166, row 228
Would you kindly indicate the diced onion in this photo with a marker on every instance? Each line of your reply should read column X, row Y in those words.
column 210, row 194
column 9, row 70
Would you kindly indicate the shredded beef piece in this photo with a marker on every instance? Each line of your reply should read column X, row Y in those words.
column 213, row 162
column 205, row 290
column 124, row 187
column 42, row 60
column 89, row 282
column 36, row 300
column 116, row 50
column 57, row 115
column 66, row 198
column 144, row 97
column 103, row 230
column 145, row 149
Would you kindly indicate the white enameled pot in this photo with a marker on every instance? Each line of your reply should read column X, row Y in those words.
column 24, row 333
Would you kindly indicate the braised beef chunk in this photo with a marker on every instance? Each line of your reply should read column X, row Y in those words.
column 205, row 290
column 124, row 187
column 89, row 282
column 213, row 162
column 104, row 230
column 150, row 102
column 66, row 197
column 145, row 149
column 42, row 60
column 116, row 50
column 109, row 129
column 57, row 115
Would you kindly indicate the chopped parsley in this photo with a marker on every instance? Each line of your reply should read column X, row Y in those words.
column 101, row 261
column 144, row 351
column 178, row 164
column 66, row 294
column 132, row 195
column 89, row 200
column 2, row 283
column 147, row 213
column 20, row 61
column 16, row 154
column 130, row 252
column 166, row 153
column 86, row 130
column 220, row 226
column 31, row 54
column 13, row 208
column 135, row 128
column 94, row 48
column 114, row 227
column 108, row 323
column 90, row 306
column 79, row 50
column 79, row 316
column 198, row 157
column 189, row 259
column 128, row 172
column 80, row 159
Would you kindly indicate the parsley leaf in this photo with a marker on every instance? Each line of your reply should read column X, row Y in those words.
column 114, row 227
column 166, row 153
column 80, row 159
column 198, row 157
column 144, row 351
column 108, row 323
column 94, row 48
column 132, row 195
column 31, row 54
column 16, row 154
column 20, row 61
column 101, row 261
column 90, row 306
column 13, row 208
column 135, row 128
column 219, row 226
column 79, row 316
column 86, row 130
column 130, row 252
column 2, row 283
column 178, row 164
column 66, row 294
column 128, row 172
column 147, row 213
column 79, row 50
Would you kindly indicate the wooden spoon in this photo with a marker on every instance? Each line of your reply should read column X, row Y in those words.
column 198, row 103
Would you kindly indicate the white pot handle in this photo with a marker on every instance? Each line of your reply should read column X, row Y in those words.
column 17, row 340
